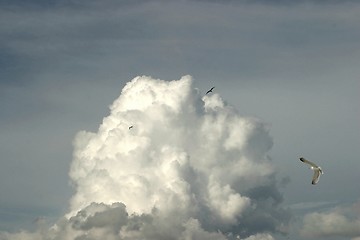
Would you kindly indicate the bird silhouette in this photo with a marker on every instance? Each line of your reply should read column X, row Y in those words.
column 209, row 91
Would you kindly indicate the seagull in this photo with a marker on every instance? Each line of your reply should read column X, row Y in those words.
column 209, row 91
column 317, row 170
column 131, row 127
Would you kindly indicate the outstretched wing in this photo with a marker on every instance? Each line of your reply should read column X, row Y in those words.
column 316, row 176
column 308, row 162
column 209, row 91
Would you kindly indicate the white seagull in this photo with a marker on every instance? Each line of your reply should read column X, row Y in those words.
column 317, row 170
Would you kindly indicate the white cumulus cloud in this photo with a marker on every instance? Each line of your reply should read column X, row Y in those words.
column 191, row 167
column 339, row 221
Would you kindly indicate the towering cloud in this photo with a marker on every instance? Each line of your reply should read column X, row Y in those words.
column 190, row 167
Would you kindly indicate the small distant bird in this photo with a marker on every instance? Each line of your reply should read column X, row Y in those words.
column 317, row 170
column 131, row 127
column 209, row 91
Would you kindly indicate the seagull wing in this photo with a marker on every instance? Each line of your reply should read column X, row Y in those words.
column 316, row 176
column 308, row 162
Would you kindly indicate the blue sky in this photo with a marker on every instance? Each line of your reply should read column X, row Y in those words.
column 294, row 65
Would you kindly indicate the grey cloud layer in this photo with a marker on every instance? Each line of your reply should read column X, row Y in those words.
column 236, row 40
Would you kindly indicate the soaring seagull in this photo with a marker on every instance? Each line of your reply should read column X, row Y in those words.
column 317, row 170
column 209, row 91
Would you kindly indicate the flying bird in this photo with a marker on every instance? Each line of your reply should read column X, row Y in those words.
column 131, row 127
column 209, row 91
column 317, row 170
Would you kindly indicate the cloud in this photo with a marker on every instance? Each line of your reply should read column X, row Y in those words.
column 190, row 168
column 313, row 205
column 275, row 2
column 261, row 236
column 339, row 221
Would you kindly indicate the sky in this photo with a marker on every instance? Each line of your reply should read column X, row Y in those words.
column 286, row 81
